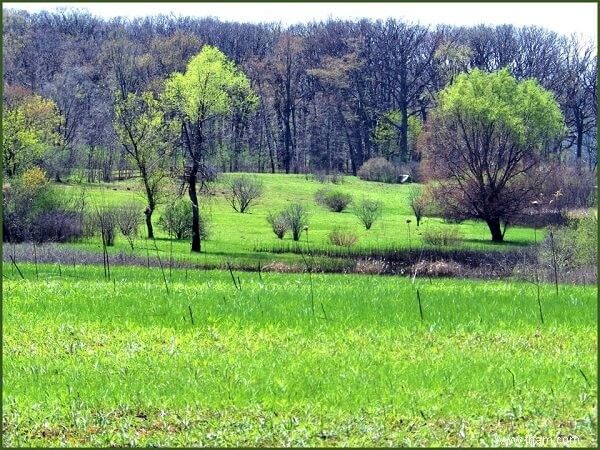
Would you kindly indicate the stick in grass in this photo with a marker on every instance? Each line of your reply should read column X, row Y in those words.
column 420, row 307
column 191, row 315
column 324, row 313
column 232, row 276
column 513, row 377
column 161, row 267
column 16, row 267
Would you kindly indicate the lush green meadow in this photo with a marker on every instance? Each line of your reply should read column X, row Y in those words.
column 236, row 237
column 292, row 359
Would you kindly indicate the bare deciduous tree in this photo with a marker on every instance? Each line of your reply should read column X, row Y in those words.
column 242, row 191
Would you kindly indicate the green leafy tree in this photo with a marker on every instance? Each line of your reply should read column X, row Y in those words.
column 484, row 142
column 211, row 87
column 30, row 128
column 144, row 134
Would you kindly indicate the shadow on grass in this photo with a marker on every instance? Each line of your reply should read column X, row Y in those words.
column 506, row 243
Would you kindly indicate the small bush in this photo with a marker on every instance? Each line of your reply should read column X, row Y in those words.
column 586, row 240
column 33, row 210
column 278, row 224
column 368, row 211
column 242, row 191
column 129, row 218
column 320, row 176
column 574, row 246
column 104, row 221
column 334, row 177
column 296, row 218
column 342, row 238
column 442, row 236
column 418, row 202
column 176, row 220
column 34, row 178
column 335, row 201
column 57, row 225
column 378, row 169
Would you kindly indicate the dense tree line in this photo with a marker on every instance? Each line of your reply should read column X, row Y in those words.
column 331, row 95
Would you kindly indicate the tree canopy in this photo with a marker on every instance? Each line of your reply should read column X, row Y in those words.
column 484, row 139
column 210, row 87
column 30, row 127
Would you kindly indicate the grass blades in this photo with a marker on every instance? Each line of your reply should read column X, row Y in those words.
column 91, row 362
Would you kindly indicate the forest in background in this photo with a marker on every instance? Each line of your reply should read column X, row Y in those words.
column 332, row 94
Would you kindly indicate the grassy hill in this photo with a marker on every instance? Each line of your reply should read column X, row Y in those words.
column 238, row 237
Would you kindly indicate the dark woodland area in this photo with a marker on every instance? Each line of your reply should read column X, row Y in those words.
column 332, row 94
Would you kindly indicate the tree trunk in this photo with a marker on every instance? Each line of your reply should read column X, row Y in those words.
column 404, row 154
column 495, row 229
column 195, row 212
column 269, row 143
column 579, row 147
column 287, row 140
column 148, row 212
column 403, row 106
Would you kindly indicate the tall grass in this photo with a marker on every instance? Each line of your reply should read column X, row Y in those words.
column 92, row 362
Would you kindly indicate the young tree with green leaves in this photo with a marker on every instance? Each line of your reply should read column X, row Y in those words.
column 484, row 142
column 210, row 88
column 30, row 127
column 144, row 134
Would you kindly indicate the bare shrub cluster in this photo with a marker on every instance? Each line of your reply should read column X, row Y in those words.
column 342, row 238
column 294, row 218
column 442, row 236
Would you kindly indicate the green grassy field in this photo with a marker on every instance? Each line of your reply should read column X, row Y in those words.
column 236, row 237
column 274, row 362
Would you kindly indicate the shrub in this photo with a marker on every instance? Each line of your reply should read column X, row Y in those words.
column 242, row 191
column 336, row 201
column 34, row 179
column 571, row 247
column 442, row 236
column 57, row 225
column 586, row 240
column 378, row 169
column 368, row 211
column 342, row 238
column 176, row 221
column 104, row 221
column 334, row 177
column 320, row 176
column 278, row 224
column 32, row 210
column 296, row 218
column 418, row 202
column 129, row 218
